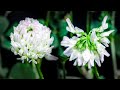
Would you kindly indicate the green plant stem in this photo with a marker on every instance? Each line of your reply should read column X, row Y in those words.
column 79, row 69
column 113, row 46
column 71, row 14
column 96, row 72
column 88, row 21
column 47, row 18
column 39, row 69
column 84, row 72
column 35, row 70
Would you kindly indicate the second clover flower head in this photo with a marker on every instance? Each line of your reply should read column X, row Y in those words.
column 87, row 48
column 31, row 41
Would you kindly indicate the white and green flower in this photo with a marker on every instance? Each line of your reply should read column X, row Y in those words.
column 31, row 40
column 87, row 48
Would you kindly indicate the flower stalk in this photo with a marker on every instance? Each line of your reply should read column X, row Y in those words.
column 96, row 72
column 64, row 70
column 113, row 46
column 48, row 18
column 88, row 21
column 39, row 69
column 35, row 71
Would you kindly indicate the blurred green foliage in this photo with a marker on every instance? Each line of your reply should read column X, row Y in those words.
column 22, row 71
column 4, row 23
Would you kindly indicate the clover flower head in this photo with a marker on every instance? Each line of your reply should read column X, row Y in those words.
column 87, row 48
column 31, row 41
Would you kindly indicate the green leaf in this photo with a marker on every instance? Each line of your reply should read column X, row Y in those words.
column 5, row 43
column 62, row 27
column 4, row 23
column 22, row 71
column 11, row 29
column 56, row 40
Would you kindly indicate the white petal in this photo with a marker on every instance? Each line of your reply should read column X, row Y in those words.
column 30, row 61
column 102, row 58
column 25, row 50
column 74, row 38
column 75, row 63
column 100, row 47
column 106, row 33
column 106, row 53
column 104, row 24
column 51, row 40
column 93, row 37
column 84, row 62
column 105, row 19
column 92, row 57
column 68, row 29
column 73, row 56
column 51, row 57
column 78, row 35
column 79, row 61
column 97, row 60
column 22, row 61
column 89, row 65
column 70, row 25
column 66, row 42
column 86, row 55
column 34, row 61
column 20, row 52
column 105, row 44
column 68, row 51
column 92, row 62
column 78, row 30
column 105, row 39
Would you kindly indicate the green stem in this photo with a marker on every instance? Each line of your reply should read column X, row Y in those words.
column 71, row 14
column 39, row 69
column 88, row 21
column 84, row 72
column 47, row 18
column 113, row 46
column 96, row 72
column 79, row 69
column 35, row 71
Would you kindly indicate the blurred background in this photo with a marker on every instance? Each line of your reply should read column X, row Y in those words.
column 11, row 68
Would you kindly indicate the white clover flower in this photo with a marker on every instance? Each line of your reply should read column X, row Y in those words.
column 87, row 49
column 31, row 40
